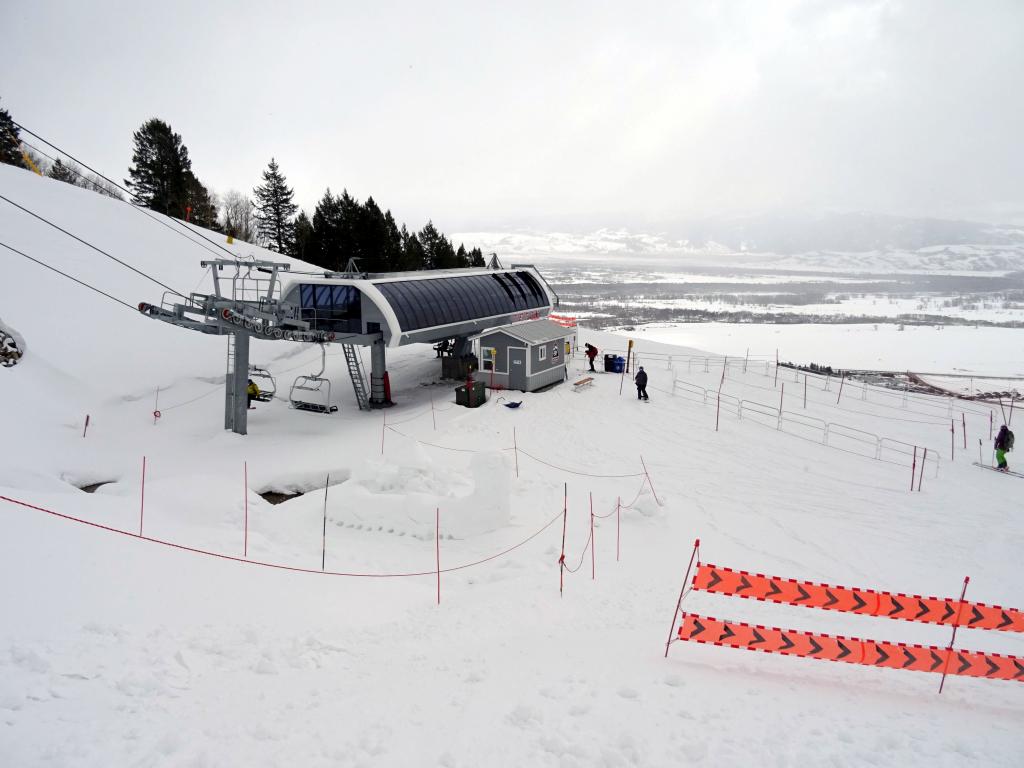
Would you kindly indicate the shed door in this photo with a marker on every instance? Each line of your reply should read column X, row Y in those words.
column 517, row 368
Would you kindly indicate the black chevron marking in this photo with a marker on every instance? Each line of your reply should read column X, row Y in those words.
column 923, row 607
column 896, row 606
column 832, row 599
column 1020, row 669
column 882, row 655
column 699, row 628
column 1007, row 621
column 787, row 643
column 976, row 616
column 803, row 594
column 715, row 578
column 774, row 589
column 757, row 638
column 844, row 650
column 992, row 667
column 936, row 661
column 949, row 612
column 964, row 664
column 744, row 584
column 815, row 648
column 910, row 658
column 858, row 602
column 726, row 632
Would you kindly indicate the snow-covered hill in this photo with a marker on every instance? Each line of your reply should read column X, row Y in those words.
column 118, row 650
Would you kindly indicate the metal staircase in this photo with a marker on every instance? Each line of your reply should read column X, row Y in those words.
column 355, row 371
column 229, row 381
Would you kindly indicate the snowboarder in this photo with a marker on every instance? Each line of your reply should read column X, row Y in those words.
column 252, row 392
column 1004, row 443
column 641, row 384
column 591, row 354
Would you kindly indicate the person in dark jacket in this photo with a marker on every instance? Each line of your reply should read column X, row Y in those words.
column 1004, row 443
column 641, row 384
column 591, row 354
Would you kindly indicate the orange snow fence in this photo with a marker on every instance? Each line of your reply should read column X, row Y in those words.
column 868, row 602
column 951, row 612
column 852, row 650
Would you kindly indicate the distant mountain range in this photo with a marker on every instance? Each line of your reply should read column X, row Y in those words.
column 857, row 241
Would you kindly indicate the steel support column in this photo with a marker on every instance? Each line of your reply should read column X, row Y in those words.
column 378, row 370
column 236, row 404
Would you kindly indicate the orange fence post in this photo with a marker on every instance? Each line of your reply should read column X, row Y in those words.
column 956, row 626
column 561, row 558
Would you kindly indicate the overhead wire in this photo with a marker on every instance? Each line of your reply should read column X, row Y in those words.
column 69, row 277
column 131, row 195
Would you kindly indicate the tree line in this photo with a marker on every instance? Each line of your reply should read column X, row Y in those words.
column 161, row 178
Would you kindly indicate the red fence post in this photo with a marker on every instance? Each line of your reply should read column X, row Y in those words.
column 593, row 546
column 718, row 408
column 156, row 406
column 964, row 419
column 805, row 391
column 686, row 578
column 142, row 499
column 323, row 543
column 433, row 418
column 952, row 439
column 561, row 558
column 383, row 426
column 990, row 420
column 437, row 547
column 618, row 525
column 781, row 395
column 87, row 425
column 956, row 625
column 245, row 501
column 913, row 469
column 648, row 476
column 924, row 461
column 515, row 447
column 841, row 382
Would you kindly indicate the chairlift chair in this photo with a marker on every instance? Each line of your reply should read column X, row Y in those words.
column 267, row 384
column 313, row 392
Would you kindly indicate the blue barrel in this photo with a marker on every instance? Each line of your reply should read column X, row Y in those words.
column 620, row 364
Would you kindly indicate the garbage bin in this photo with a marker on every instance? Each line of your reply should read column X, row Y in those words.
column 473, row 398
column 609, row 363
column 620, row 365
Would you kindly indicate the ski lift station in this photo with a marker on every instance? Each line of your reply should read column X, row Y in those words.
column 353, row 309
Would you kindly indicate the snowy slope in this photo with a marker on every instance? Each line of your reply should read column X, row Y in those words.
column 121, row 651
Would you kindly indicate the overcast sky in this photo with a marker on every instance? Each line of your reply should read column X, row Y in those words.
column 550, row 115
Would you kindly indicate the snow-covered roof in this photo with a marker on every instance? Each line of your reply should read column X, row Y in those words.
column 533, row 331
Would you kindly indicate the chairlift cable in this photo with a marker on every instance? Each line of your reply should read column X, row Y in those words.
column 90, row 245
column 69, row 277
column 129, row 193
column 95, row 188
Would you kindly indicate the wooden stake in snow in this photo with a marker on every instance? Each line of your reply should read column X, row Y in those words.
column 841, row 382
column 86, row 425
column 515, row 449
column 924, row 461
column 964, row 420
column 913, row 469
column 561, row 558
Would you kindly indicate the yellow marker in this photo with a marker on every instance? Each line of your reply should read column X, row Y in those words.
column 231, row 240
column 30, row 164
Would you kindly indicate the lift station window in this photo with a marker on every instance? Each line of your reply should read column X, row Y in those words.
column 331, row 307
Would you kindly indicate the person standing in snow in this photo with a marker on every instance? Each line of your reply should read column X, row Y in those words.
column 641, row 384
column 252, row 392
column 1004, row 443
column 591, row 354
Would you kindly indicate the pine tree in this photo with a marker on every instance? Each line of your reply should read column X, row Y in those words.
column 274, row 210
column 61, row 172
column 303, row 236
column 476, row 258
column 160, row 170
column 201, row 209
column 10, row 142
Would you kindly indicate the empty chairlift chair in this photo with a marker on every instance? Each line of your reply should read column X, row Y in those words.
column 267, row 384
column 313, row 392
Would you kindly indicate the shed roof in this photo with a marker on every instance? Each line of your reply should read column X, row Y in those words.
column 533, row 332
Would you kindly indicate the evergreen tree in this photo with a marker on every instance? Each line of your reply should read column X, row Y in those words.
column 413, row 253
column 10, row 142
column 274, row 210
column 61, row 172
column 303, row 236
column 160, row 170
column 476, row 258
column 200, row 207
column 324, row 246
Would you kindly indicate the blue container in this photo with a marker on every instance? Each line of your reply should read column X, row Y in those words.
column 620, row 364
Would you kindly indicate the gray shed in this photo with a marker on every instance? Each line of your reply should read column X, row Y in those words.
column 524, row 356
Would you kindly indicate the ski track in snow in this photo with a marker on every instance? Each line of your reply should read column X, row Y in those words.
column 118, row 651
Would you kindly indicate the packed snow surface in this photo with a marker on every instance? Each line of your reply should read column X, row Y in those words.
column 120, row 650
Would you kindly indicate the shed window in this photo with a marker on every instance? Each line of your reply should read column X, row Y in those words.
column 488, row 354
column 542, row 353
